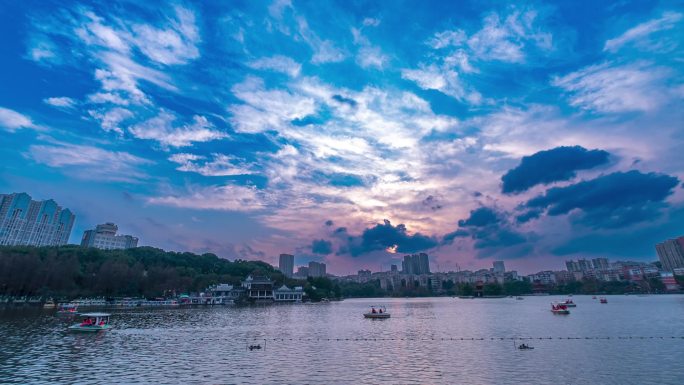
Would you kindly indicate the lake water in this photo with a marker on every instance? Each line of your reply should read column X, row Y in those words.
column 421, row 343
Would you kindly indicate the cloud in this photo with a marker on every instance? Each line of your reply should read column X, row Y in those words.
column 224, row 198
column 325, row 51
column 162, row 130
column 639, row 35
column 481, row 217
column 110, row 119
column 89, row 162
column 556, row 164
column 277, row 63
column 371, row 57
column 432, row 77
column 386, row 236
column 12, row 120
column 617, row 88
column 62, row 102
column 321, row 246
column 219, row 165
column 371, row 22
column 609, row 201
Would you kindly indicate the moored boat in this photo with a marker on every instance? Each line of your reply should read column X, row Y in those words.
column 92, row 322
column 559, row 308
column 379, row 313
column 603, row 300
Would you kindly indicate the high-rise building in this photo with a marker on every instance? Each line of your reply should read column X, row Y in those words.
column 416, row 264
column 286, row 264
column 671, row 253
column 393, row 268
column 316, row 269
column 104, row 237
column 600, row 263
column 499, row 267
column 24, row 221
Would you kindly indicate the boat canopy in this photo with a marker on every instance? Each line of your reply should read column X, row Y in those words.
column 95, row 315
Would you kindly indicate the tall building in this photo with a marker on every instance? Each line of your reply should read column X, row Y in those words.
column 316, row 269
column 393, row 268
column 104, row 237
column 671, row 253
column 499, row 267
column 286, row 264
column 24, row 221
column 600, row 263
column 416, row 264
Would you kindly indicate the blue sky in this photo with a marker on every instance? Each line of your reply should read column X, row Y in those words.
column 353, row 132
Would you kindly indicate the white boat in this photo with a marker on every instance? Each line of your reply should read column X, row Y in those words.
column 379, row 313
column 92, row 322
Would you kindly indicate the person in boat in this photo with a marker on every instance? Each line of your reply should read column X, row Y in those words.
column 380, row 311
column 373, row 310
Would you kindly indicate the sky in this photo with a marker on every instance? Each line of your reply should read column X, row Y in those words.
column 353, row 132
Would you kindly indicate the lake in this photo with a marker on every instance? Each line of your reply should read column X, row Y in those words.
column 332, row 343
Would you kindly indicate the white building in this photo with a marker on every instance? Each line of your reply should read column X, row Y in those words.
column 24, row 221
column 316, row 269
column 104, row 237
column 285, row 294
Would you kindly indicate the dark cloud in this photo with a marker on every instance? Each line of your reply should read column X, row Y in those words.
column 492, row 233
column 329, row 222
column 610, row 201
column 528, row 215
column 544, row 167
column 432, row 203
column 341, row 99
column 321, row 246
column 382, row 236
column 480, row 217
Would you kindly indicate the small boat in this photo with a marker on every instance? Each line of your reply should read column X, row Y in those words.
column 49, row 304
column 519, row 298
column 379, row 313
column 568, row 302
column 603, row 300
column 92, row 322
column 559, row 308
column 593, row 297
column 67, row 308
column 525, row 347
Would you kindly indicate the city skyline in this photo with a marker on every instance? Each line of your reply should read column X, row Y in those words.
column 529, row 134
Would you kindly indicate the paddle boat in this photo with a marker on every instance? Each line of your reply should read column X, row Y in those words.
column 603, row 300
column 559, row 308
column 524, row 346
column 67, row 308
column 92, row 322
column 379, row 313
column 568, row 302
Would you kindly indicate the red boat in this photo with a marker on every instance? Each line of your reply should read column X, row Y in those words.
column 603, row 300
column 559, row 308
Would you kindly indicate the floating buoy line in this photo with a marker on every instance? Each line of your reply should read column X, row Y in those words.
column 463, row 339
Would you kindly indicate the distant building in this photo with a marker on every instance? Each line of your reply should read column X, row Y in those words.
column 104, row 237
column 579, row 265
column 499, row 267
column 393, row 268
column 302, row 272
column 671, row 253
column 24, row 221
column 286, row 264
column 669, row 281
column 416, row 264
column 316, row 269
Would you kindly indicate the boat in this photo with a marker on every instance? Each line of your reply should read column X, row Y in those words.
column 67, row 308
column 593, row 297
column 568, row 302
column 380, row 313
column 92, row 322
column 49, row 304
column 603, row 300
column 559, row 308
column 525, row 347
column 519, row 298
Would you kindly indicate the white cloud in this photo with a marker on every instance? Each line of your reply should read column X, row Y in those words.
column 63, row 102
column 176, row 44
column 107, row 97
column 110, row 119
column 12, row 120
column 89, row 162
column 444, row 80
column 371, row 22
column 229, row 198
column 277, row 63
column 162, row 130
column 219, row 165
column 615, row 88
column 371, row 57
column 639, row 33
column 448, row 38
column 325, row 51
